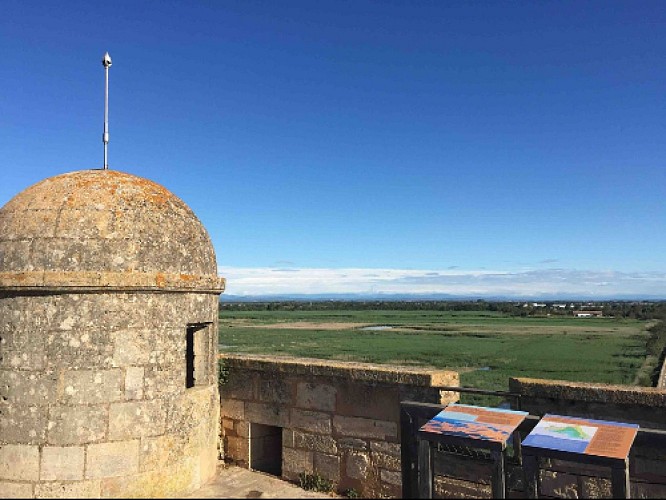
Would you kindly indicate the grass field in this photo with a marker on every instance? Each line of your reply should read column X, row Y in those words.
column 487, row 348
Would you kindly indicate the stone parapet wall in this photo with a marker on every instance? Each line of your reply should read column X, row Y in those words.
column 339, row 420
column 645, row 406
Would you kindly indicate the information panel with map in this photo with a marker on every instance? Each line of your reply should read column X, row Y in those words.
column 475, row 422
column 587, row 437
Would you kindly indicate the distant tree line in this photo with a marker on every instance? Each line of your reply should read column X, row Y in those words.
column 643, row 310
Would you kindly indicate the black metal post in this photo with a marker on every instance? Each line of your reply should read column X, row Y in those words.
column 425, row 469
column 620, row 481
column 531, row 469
column 498, row 480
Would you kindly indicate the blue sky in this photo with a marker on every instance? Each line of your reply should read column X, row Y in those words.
column 522, row 140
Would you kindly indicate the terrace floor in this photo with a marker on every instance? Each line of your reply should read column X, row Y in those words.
column 234, row 482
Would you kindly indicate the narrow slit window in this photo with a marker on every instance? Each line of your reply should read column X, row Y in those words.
column 197, row 355
column 189, row 357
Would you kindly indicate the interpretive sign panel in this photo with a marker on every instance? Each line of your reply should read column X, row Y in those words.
column 588, row 437
column 475, row 422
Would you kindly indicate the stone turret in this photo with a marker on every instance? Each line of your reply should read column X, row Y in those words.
column 108, row 340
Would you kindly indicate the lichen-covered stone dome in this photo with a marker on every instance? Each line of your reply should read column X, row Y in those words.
column 109, row 300
column 95, row 229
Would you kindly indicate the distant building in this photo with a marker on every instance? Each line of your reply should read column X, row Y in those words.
column 588, row 314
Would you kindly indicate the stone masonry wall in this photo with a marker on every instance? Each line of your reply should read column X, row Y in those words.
column 339, row 420
column 645, row 406
column 93, row 399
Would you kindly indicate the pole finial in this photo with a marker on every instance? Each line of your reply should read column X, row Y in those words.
column 106, row 61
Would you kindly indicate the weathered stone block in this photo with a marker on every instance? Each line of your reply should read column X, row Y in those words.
column 22, row 424
column 327, row 465
column 132, row 347
column 160, row 452
column 357, row 465
column 79, row 489
column 391, row 477
column 365, row 428
column 232, row 408
column 76, row 424
column 267, row 414
column 136, row 419
column 237, row 449
column 275, row 391
column 369, row 400
column 352, row 444
column 297, row 460
column 423, row 394
column 159, row 381
column 448, row 397
column 207, row 465
column 92, row 386
column 15, row 490
column 311, row 421
column 153, row 484
column 240, row 385
column 313, row 442
column 385, row 461
column 315, row 396
column 185, row 414
column 112, row 459
column 88, row 224
column 288, row 438
column 27, row 387
column 81, row 347
column 19, row 462
column 29, row 358
column 227, row 425
column 387, row 490
column 392, row 449
column 134, row 382
column 15, row 255
column 62, row 463
column 242, row 428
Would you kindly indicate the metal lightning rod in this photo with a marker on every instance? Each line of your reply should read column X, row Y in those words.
column 106, row 61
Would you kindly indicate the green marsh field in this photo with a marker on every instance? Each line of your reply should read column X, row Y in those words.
column 486, row 347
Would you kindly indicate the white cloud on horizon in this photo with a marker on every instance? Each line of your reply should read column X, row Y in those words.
column 247, row 281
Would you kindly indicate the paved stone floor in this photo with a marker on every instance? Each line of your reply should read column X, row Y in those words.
column 234, row 482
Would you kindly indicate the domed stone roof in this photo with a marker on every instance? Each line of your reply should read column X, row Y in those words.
column 95, row 229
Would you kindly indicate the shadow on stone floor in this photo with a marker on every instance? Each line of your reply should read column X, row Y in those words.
column 234, row 482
